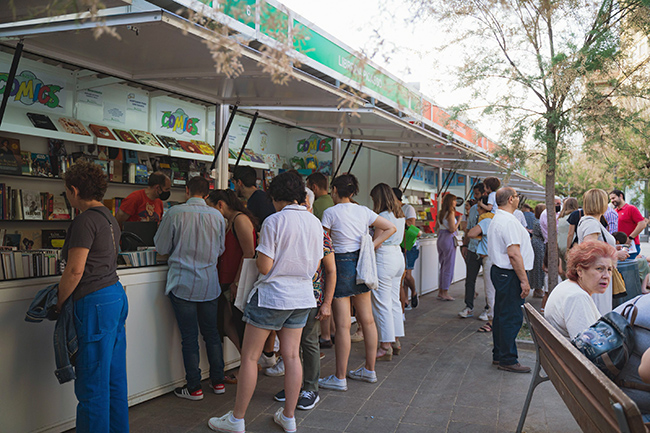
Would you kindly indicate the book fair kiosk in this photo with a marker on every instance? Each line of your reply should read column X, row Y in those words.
column 150, row 98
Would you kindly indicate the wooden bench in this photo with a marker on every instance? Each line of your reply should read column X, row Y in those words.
column 596, row 403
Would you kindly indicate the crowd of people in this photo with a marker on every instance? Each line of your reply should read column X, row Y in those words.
column 310, row 248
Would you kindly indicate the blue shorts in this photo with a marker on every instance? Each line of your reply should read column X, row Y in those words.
column 274, row 320
column 346, row 275
column 411, row 257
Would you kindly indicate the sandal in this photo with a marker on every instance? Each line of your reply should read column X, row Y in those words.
column 485, row 328
column 230, row 379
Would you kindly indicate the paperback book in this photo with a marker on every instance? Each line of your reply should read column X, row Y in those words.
column 11, row 160
column 125, row 136
column 101, row 131
column 41, row 165
column 32, row 205
column 72, row 126
column 41, row 121
column 146, row 138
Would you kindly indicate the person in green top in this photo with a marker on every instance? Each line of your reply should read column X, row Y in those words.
column 317, row 182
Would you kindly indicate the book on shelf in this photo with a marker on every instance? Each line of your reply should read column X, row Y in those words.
column 145, row 256
column 53, row 239
column 254, row 157
column 113, row 204
column 146, row 138
column 26, row 166
column 190, row 147
column 204, row 146
column 41, row 121
column 170, row 142
column 11, row 160
column 60, row 209
column 125, row 136
column 141, row 174
column 58, row 154
column 72, row 126
column 130, row 156
column 101, row 131
column 103, row 164
column 32, row 205
column 26, row 264
column 41, row 165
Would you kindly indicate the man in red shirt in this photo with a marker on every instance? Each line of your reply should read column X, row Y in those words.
column 146, row 204
column 630, row 220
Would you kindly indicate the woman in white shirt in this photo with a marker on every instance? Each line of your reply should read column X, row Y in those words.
column 446, row 246
column 590, row 229
column 346, row 223
column 289, row 252
column 386, row 304
column 570, row 307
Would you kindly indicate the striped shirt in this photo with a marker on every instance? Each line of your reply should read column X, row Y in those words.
column 193, row 234
column 612, row 220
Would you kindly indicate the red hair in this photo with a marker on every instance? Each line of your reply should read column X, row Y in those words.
column 585, row 255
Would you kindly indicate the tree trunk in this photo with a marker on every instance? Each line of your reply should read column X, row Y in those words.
column 551, row 246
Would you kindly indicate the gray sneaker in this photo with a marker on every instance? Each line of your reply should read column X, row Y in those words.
column 363, row 374
column 333, row 382
column 288, row 424
column 307, row 400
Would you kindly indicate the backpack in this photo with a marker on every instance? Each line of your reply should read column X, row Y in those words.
column 609, row 342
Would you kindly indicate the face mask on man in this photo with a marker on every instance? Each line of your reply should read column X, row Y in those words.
column 558, row 207
column 164, row 195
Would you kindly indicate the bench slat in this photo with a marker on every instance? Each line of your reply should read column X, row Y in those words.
column 587, row 391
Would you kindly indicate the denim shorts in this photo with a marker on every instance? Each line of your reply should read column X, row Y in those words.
column 411, row 257
column 346, row 275
column 274, row 320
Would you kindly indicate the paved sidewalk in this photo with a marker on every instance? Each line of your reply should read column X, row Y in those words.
column 443, row 381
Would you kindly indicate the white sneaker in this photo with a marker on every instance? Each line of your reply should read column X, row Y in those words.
column 267, row 361
column 333, row 382
column 277, row 369
column 353, row 320
column 288, row 424
column 467, row 312
column 484, row 316
column 226, row 424
column 363, row 374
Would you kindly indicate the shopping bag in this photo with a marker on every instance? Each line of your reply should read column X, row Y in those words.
column 247, row 278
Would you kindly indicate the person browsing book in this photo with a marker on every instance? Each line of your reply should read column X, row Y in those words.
column 146, row 204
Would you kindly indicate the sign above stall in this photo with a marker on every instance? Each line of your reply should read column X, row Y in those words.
column 314, row 144
column 179, row 120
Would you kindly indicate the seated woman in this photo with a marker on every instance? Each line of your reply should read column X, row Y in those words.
column 570, row 308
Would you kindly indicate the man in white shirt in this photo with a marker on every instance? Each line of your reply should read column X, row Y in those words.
column 512, row 255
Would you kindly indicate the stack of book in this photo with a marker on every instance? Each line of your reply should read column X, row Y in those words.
column 21, row 204
column 145, row 256
column 27, row 264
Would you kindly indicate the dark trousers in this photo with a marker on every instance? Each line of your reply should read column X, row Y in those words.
column 192, row 316
column 473, row 267
column 310, row 352
column 508, row 316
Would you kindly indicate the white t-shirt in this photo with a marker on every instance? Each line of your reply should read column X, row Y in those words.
column 504, row 231
column 409, row 211
column 589, row 225
column 570, row 309
column 398, row 236
column 492, row 200
column 293, row 238
column 347, row 222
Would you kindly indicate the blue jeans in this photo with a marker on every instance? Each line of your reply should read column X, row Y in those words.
column 192, row 316
column 508, row 316
column 101, row 361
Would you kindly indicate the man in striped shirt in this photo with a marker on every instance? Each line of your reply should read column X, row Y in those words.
column 193, row 235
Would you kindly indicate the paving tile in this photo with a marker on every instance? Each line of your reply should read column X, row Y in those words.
column 461, row 427
column 383, row 409
column 324, row 418
column 366, row 424
column 424, row 416
column 485, row 416
column 415, row 428
column 336, row 401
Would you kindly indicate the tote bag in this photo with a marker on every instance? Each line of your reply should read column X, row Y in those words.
column 247, row 278
column 367, row 264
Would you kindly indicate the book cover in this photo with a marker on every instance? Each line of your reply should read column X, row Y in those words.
column 30, row 239
column 101, row 131
column 189, row 147
column 254, row 157
column 141, row 174
column 232, row 154
column 169, row 142
column 103, row 164
column 125, row 136
column 32, row 205
column 11, row 160
column 41, row 121
column 131, row 156
column 26, row 166
column 73, row 126
column 204, row 146
column 146, row 138
column 12, row 240
column 41, row 165
column 60, row 210
column 102, row 153
column 58, row 153
column 53, row 238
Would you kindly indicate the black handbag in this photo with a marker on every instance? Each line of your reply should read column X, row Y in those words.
column 609, row 342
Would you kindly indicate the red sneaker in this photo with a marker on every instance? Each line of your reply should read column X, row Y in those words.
column 219, row 388
column 185, row 393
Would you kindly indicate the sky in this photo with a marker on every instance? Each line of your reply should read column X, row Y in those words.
column 408, row 51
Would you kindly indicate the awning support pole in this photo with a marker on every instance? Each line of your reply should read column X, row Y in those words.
column 404, row 175
column 223, row 136
column 355, row 157
column 412, row 173
column 248, row 136
column 345, row 152
column 10, row 79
